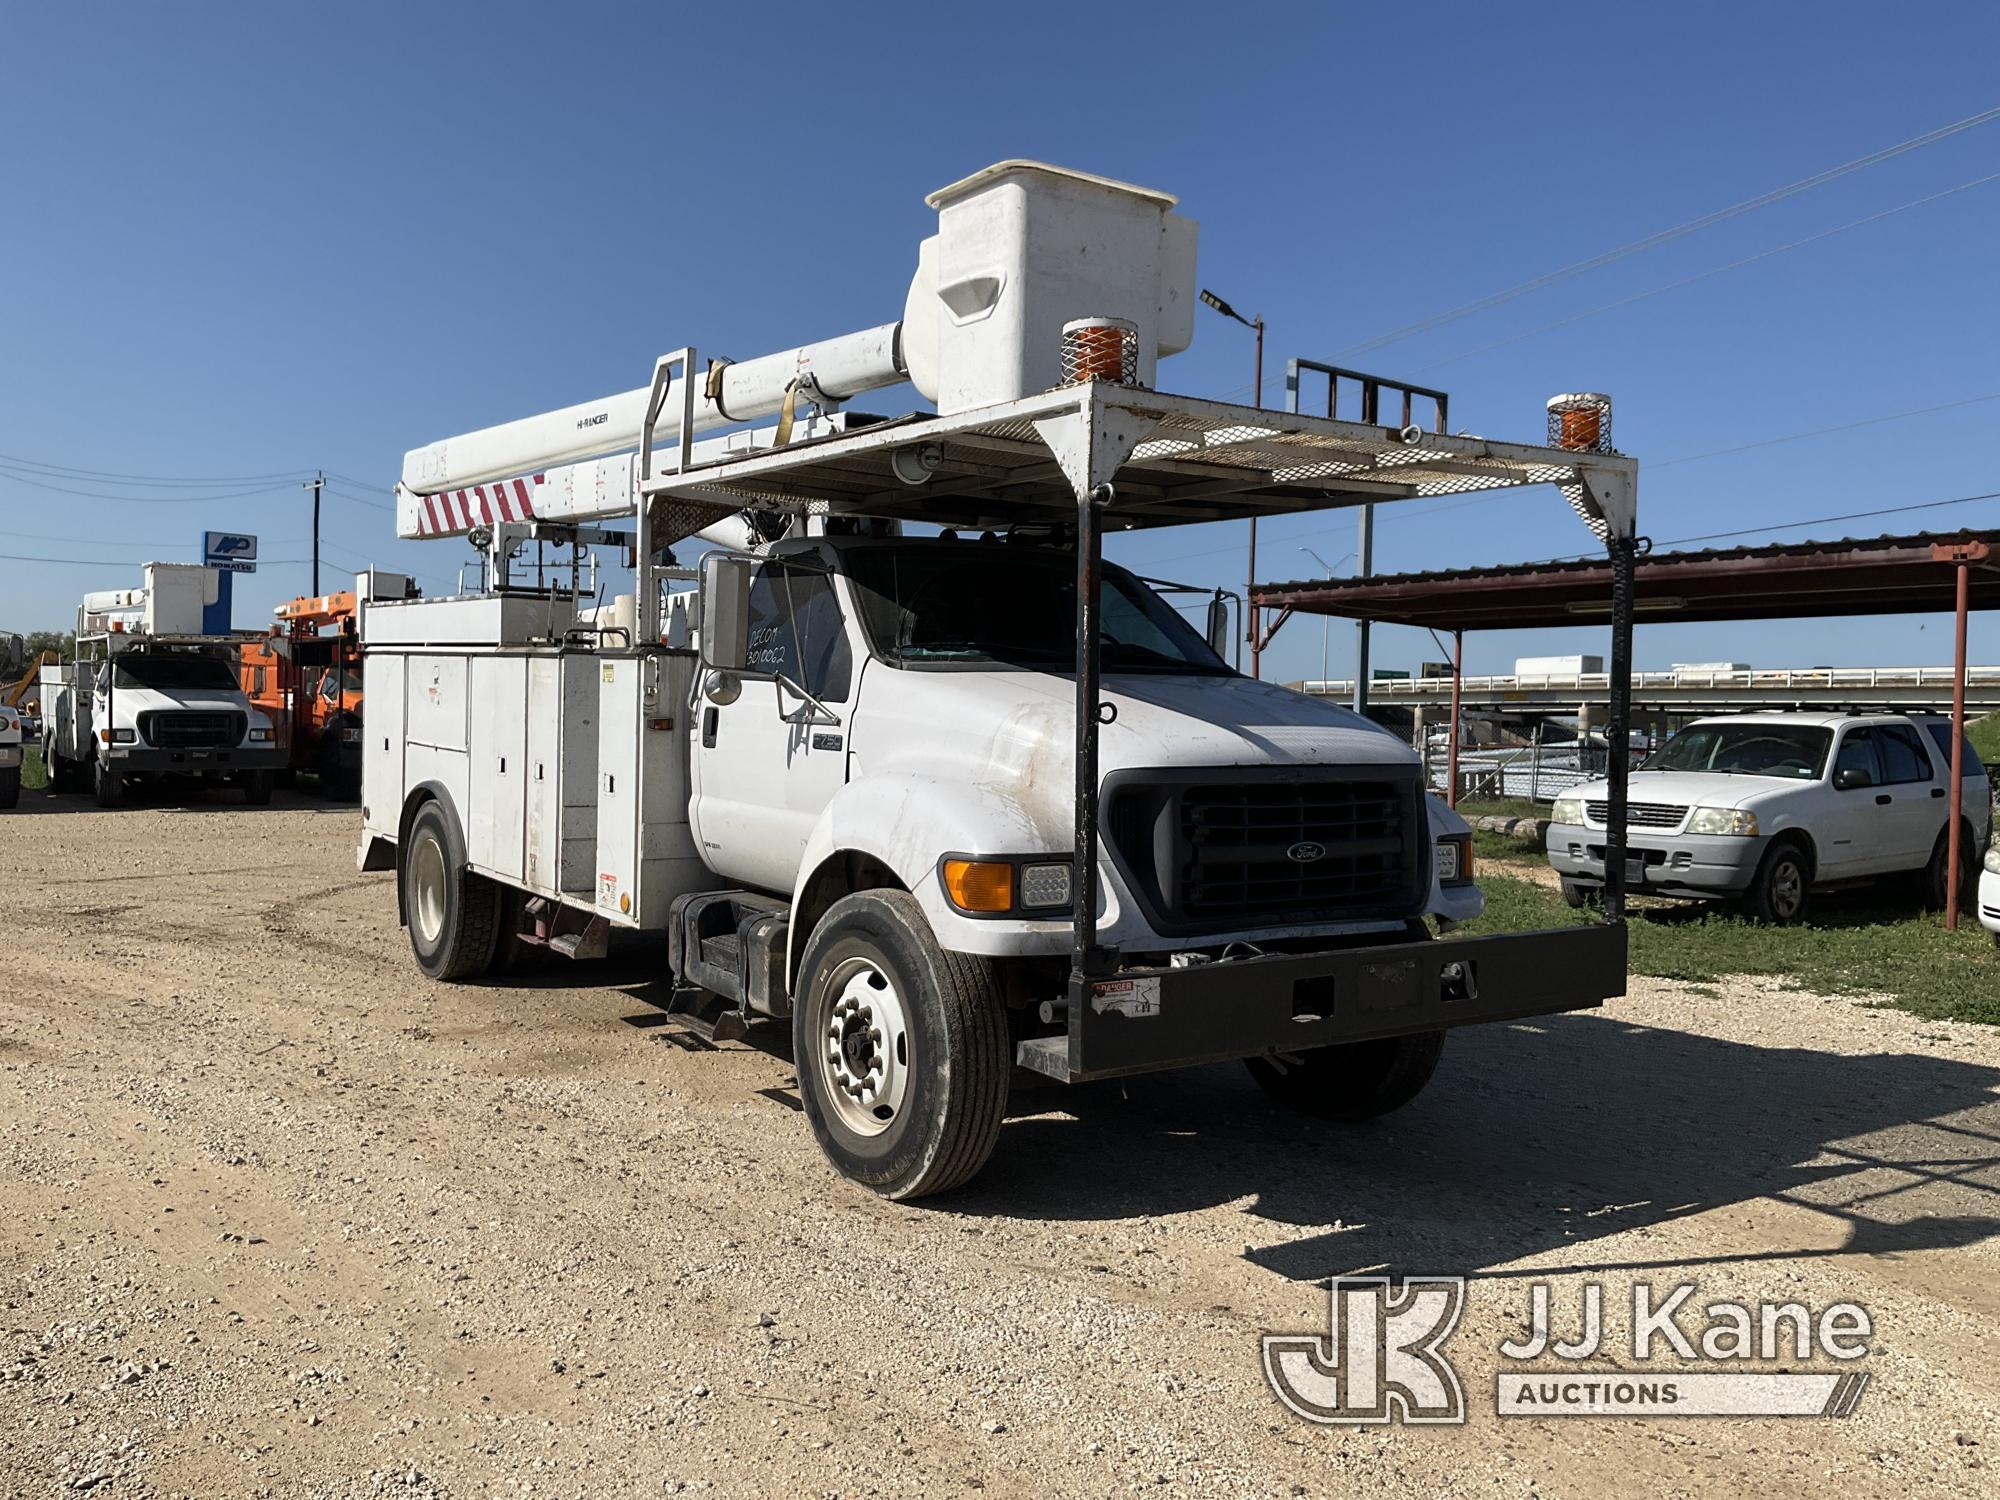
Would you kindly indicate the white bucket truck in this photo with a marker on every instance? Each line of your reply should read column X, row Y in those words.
column 148, row 696
column 952, row 805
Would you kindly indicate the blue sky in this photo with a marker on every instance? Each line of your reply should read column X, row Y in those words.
column 253, row 240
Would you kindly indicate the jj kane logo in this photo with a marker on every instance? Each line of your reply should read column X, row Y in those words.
column 1382, row 1357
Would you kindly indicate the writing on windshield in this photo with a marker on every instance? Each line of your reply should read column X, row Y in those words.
column 997, row 603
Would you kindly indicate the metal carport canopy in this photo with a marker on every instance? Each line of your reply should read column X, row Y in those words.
column 1928, row 571
column 1770, row 581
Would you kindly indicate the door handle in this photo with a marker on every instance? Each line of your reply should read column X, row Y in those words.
column 1883, row 799
column 709, row 716
column 1937, row 791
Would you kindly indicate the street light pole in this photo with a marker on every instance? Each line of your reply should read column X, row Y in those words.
column 316, row 484
column 1324, row 620
column 1254, row 613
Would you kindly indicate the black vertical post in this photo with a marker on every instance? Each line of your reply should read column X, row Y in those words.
column 319, row 481
column 1618, row 757
column 1083, row 960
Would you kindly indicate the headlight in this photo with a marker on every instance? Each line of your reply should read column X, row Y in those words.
column 1726, row 820
column 119, row 736
column 1454, row 859
column 1004, row 887
column 1044, row 885
column 260, row 736
column 1568, row 810
column 351, row 734
column 1993, row 860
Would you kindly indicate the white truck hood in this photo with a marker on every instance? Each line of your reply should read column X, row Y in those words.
column 1012, row 731
column 129, row 702
column 1695, row 788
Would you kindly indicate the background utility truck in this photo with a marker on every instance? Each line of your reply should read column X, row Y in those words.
column 961, row 804
column 305, row 676
column 148, row 696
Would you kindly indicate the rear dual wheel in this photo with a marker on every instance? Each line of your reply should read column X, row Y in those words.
column 454, row 914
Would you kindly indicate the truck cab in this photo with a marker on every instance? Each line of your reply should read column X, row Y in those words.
column 906, row 702
column 141, row 709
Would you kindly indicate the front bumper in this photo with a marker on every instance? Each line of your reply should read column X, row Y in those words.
column 146, row 761
column 1679, row 864
column 1144, row 1020
column 1989, row 900
column 10, row 757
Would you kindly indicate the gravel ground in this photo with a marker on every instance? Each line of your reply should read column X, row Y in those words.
column 278, row 1217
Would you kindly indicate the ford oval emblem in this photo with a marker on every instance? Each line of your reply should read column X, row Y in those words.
column 1305, row 853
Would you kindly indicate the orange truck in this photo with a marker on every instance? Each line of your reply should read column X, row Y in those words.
column 306, row 674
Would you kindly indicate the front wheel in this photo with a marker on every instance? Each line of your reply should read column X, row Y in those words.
column 1353, row 1082
column 108, row 784
column 1777, row 893
column 901, row 1047
column 257, row 788
column 1576, row 896
column 10, row 787
column 454, row 915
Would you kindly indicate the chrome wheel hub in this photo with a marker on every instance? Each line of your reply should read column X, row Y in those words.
column 864, row 1051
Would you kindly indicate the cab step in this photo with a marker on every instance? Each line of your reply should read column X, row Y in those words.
column 732, row 945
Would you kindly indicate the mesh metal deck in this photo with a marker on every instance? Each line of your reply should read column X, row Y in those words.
column 1194, row 460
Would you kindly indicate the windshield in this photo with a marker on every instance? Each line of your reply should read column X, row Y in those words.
column 1001, row 604
column 1794, row 752
column 174, row 672
column 343, row 683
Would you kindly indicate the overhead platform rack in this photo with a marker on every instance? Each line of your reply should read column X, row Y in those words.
column 1170, row 460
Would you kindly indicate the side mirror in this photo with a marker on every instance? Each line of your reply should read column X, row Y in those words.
column 1217, row 627
column 725, row 612
column 1852, row 779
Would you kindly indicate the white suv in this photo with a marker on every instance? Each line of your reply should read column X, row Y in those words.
column 1763, row 807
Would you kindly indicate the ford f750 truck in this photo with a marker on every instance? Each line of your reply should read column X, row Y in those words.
column 959, row 805
column 150, row 697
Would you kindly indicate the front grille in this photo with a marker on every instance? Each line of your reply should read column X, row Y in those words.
column 1213, row 854
column 1639, row 814
column 191, row 729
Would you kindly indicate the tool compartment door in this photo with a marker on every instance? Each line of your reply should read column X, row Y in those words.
column 496, row 816
column 382, row 788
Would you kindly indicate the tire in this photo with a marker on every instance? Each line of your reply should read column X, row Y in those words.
column 454, row 915
column 1575, row 896
column 921, row 1033
column 10, row 787
column 107, row 783
column 1933, row 879
column 1779, row 891
column 1354, row 1082
column 257, row 788
column 337, row 785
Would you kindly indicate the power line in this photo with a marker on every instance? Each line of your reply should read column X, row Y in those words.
column 1664, row 236
column 1794, row 437
column 60, row 489
column 1733, row 265
column 1857, row 515
column 156, row 480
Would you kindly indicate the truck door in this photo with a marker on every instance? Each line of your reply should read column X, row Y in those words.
column 1914, row 815
column 1858, row 840
column 766, row 765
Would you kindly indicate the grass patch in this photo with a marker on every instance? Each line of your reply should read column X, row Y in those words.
column 1985, row 736
column 1862, row 942
column 1501, row 807
column 33, row 776
column 1489, row 846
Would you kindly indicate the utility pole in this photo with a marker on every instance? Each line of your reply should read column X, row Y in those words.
column 317, row 483
column 1255, row 615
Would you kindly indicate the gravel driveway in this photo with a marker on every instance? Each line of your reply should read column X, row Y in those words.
column 278, row 1217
